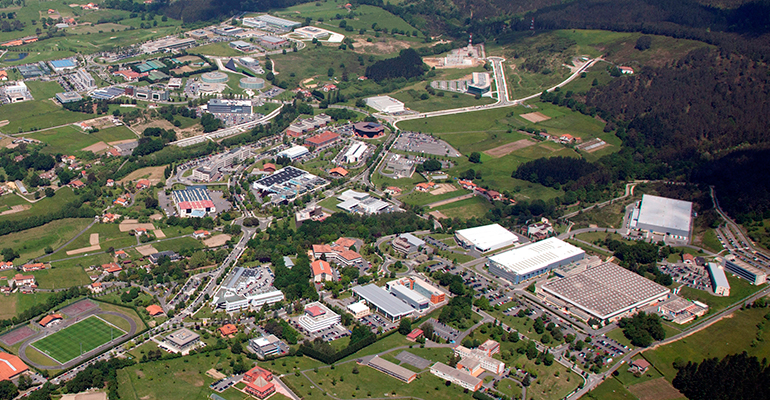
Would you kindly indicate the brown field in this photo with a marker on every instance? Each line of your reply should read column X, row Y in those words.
column 656, row 389
column 216, row 241
column 182, row 70
column 442, row 188
column 535, row 117
column 159, row 234
column 154, row 174
column 15, row 209
column 84, row 250
column 146, row 250
column 97, row 147
column 127, row 227
column 188, row 58
column 448, row 201
column 94, row 239
column 438, row 215
column 509, row 148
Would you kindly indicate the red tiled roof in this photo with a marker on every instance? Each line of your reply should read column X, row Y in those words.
column 322, row 138
column 339, row 170
column 49, row 318
column 321, row 267
column 268, row 166
column 154, row 309
column 315, row 311
column 10, row 366
column 321, row 248
column 349, row 255
column 414, row 334
column 228, row 329
column 345, row 242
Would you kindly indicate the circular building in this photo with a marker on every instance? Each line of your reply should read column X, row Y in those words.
column 368, row 129
column 252, row 83
column 214, row 77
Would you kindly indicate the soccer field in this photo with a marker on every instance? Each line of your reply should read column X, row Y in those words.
column 65, row 345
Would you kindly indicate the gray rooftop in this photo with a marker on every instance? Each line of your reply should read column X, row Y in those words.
column 720, row 279
column 383, row 300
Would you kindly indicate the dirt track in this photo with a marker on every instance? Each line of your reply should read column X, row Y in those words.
column 509, row 148
column 535, row 117
column 448, row 201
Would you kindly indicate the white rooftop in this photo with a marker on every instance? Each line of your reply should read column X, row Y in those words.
column 532, row 257
column 664, row 212
column 358, row 307
column 384, row 103
column 487, row 236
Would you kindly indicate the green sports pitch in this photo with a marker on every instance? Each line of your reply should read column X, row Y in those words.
column 89, row 333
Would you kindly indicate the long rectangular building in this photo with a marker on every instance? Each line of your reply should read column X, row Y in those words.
column 607, row 291
column 719, row 281
column 383, row 302
column 746, row 271
column 388, row 368
column 664, row 216
column 463, row 379
column 534, row 259
column 193, row 202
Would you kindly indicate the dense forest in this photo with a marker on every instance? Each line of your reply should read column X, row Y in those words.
column 740, row 377
column 407, row 65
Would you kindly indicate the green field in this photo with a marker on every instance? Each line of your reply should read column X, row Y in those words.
column 69, row 139
column 15, row 303
column 88, row 334
column 221, row 49
column 365, row 15
column 474, row 207
column 31, row 243
column 412, row 100
column 61, row 278
column 739, row 289
column 109, row 236
column 48, row 204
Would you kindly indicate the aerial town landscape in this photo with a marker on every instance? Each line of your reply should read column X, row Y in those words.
column 414, row 199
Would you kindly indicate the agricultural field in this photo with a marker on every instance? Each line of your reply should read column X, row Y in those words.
column 88, row 334
column 32, row 243
column 45, row 205
column 61, row 278
column 69, row 139
column 16, row 303
column 109, row 235
column 365, row 16
column 411, row 98
column 474, row 207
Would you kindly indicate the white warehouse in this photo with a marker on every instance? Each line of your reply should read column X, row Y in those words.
column 385, row 104
column 485, row 238
column 534, row 259
column 355, row 152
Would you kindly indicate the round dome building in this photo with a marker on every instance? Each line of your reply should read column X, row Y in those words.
column 214, row 77
column 252, row 83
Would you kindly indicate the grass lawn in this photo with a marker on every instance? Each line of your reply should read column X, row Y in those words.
column 178, row 244
column 330, row 203
column 32, row 242
column 291, row 363
column 474, row 207
column 315, row 61
column 731, row 335
column 69, row 139
column 109, row 236
column 48, row 204
column 67, row 343
column 15, row 303
column 181, row 378
column 617, row 335
column 739, row 289
column 423, row 198
column 125, row 311
column 96, row 259
column 38, row 114
column 60, row 278
column 611, row 389
column 392, row 341
column 411, row 98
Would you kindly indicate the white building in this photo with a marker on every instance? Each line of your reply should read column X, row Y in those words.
column 485, row 238
column 354, row 152
column 362, row 203
column 463, row 379
column 385, row 104
column 246, row 288
column 312, row 32
column 318, row 317
column 663, row 216
column 294, row 153
column 487, row 363
column 719, row 281
column 251, row 22
column 411, row 297
column 358, row 309
column 534, row 259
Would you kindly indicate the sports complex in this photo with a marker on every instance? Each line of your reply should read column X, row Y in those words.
column 78, row 339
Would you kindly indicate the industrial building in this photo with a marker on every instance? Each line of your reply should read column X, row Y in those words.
column 240, row 45
column 534, row 259
column 311, row 32
column 300, row 126
column 406, row 243
column 480, row 83
column 268, row 346
column 193, row 202
column 294, row 153
column 252, row 83
column 15, row 93
column 718, row 278
column 411, row 297
column 181, row 341
column 420, row 286
column 358, row 309
column 385, row 104
column 318, row 317
column 745, row 270
column 362, row 203
column 663, row 216
column 388, row 368
column 322, row 140
column 167, row 44
column 460, row 378
column 278, row 22
column 63, row 65
column 485, row 238
column 227, row 30
column 606, row 292
column 272, row 42
column 354, row 153
column 288, row 183
column 383, row 302
column 245, row 289
column 219, row 106
column 251, row 22
column 68, row 97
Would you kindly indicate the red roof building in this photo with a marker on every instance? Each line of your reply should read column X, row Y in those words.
column 32, row 267
column 154, row 309
column 268, row 167
column 260, row 388
column 257, row 372
column 22, row 280
column 345, row 242
column 338, row 171
column 77, row 184
column 142, row 184
column 11, row 367
column 111, row 268
column 322, row 271
column 414, row 335
column 322, row 139
column 228, row 330
column 48, row 319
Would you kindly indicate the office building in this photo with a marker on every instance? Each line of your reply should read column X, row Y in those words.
column 358, row 309
column 268, row 346
column 68, row 97
column 272, row 42
column 245, row 289
column 411, row 297
column 385, row 104
column 318, row 317
column 460, row 378
column 182, row 341
column 745, row 270
column 383, row 302
column 388, row 368
column 406, row 243
column 219, row 106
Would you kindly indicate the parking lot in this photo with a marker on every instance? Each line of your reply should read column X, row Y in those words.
column 378, row 323
column 690, row 275
column 422, row 143
column 444, row 331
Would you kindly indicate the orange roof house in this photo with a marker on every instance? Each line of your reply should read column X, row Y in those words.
column 11, row 366
column 322, row 271
column 259, row 382
column 154, row 310
column 688, row 258
column 3, row 76
column 228, row 330
column 77, row 184
column 111, row 268
column 339, row 171
column 142, row 183
column 424, row 186
column 268, row 167
column 414, row 335
column 32, row 267
column 49, row 319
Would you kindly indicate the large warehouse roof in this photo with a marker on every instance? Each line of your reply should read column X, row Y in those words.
column 488, row 237
column 535, row 256
column 666, row 213
column 606, row 290
column 385, row 301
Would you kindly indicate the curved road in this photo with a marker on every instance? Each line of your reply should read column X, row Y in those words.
column 77, row 360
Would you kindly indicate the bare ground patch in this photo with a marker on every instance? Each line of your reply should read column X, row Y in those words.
column 535, row 117
column 94, row 239
column 656, row 389
column 84, row 250
column 217, row 240
column 438, row 215
column 146, row 250
column 15, row 209
column 97, row 147
column 383, row 47
column 509, row 148
column 127, row 227
column 442, row 188
column 154, row 174
column 159, row 234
